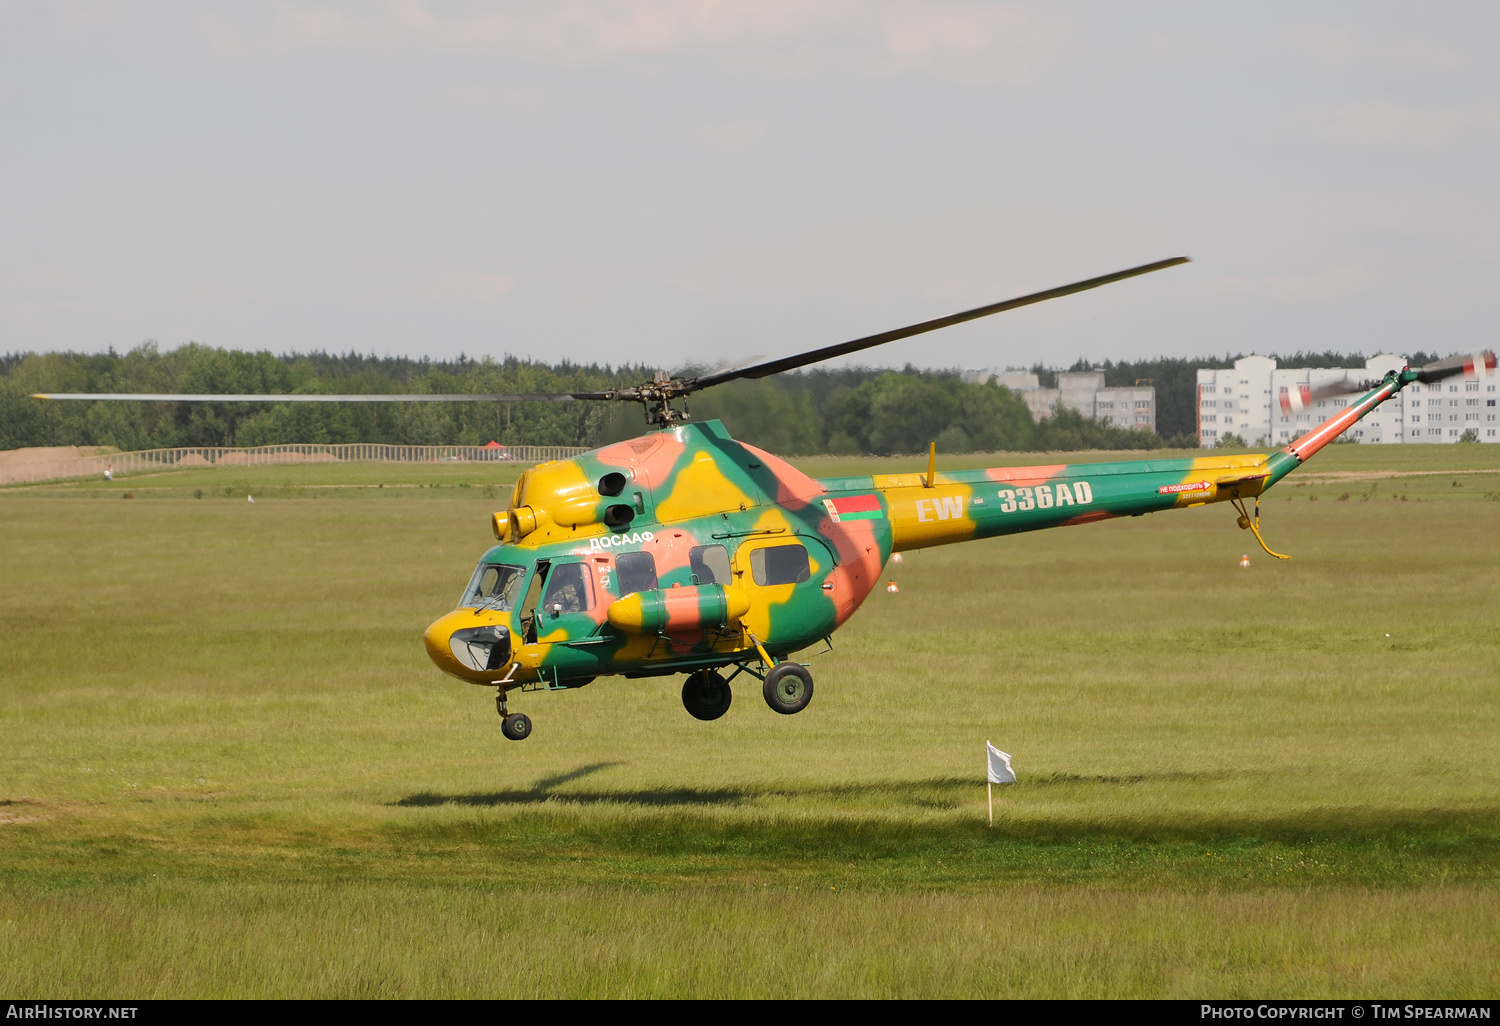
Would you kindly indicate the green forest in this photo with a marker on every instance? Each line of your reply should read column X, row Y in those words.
column 859, row 410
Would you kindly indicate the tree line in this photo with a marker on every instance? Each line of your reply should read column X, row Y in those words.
column 852, row 410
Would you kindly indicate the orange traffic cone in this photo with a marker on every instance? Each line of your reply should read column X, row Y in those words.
column 891, row 589
column 1244, row 561
column 896, row 557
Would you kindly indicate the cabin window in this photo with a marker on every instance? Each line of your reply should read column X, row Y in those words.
column 635, row 571
column 709, row 564
column 780, row 564
column 569, row 589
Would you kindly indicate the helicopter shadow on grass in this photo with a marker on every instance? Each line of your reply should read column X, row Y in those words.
column 543, row 791
column 1463, row 839
column 932, row 793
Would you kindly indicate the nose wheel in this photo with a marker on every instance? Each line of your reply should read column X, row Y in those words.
column 515, row 726
column 788, row 688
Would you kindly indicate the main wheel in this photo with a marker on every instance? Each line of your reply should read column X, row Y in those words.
column 516, row 726
column 788, row 688
column 706, row 695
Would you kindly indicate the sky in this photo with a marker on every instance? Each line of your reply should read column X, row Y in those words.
column 675, row 182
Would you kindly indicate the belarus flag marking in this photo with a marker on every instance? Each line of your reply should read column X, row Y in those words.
column 858, row 507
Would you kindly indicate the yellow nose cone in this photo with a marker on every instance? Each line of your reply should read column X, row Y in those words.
column 470, row 646
column 436, row 639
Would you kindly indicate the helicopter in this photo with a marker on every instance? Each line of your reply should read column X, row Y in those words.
column 685, row 551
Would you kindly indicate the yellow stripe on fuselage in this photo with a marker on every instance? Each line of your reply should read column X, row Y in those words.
column 922, row 516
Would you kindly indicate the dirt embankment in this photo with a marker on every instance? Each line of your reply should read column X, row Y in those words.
column 47, row 453
column 39, row 462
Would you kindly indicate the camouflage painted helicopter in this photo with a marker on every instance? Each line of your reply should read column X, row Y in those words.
column 685, row 551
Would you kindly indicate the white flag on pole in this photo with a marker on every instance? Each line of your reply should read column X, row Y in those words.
column 1000, row 771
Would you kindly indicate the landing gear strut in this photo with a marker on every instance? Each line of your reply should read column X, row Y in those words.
column 706, row 695
column 515, row 726
column 788, row 688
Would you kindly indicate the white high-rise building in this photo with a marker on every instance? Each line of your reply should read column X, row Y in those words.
column 1245, row 400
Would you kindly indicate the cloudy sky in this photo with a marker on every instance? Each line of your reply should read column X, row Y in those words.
column 667, row 181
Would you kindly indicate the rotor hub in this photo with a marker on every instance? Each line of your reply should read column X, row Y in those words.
column 657, row 399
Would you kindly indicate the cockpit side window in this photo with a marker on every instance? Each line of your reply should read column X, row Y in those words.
column 493, row 586
column 709, row 564
column 569, row 589
column 635, row 571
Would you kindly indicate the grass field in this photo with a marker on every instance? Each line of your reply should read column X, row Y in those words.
column 228, row 769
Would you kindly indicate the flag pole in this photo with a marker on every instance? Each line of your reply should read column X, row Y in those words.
column 992, row 802
column 989, row 784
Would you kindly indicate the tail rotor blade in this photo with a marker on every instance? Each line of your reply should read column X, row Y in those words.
column 1300, row 397
column 1474, row 365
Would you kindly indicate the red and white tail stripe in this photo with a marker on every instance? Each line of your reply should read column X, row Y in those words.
column 1478, row 365
column 1298, row 397
column 1336, row 425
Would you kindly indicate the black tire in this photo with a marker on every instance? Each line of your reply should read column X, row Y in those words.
column 706, row 695
column 788, row 688
column 516, row 726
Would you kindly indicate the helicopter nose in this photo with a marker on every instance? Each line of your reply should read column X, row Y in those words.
column 468, row 647
column 435, row 638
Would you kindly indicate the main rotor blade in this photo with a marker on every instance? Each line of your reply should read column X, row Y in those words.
column 844, row 348
column 256, row 397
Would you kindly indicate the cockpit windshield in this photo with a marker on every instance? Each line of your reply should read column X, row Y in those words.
column 493, row 586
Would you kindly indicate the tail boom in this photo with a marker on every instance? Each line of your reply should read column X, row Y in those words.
column 964, row 505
